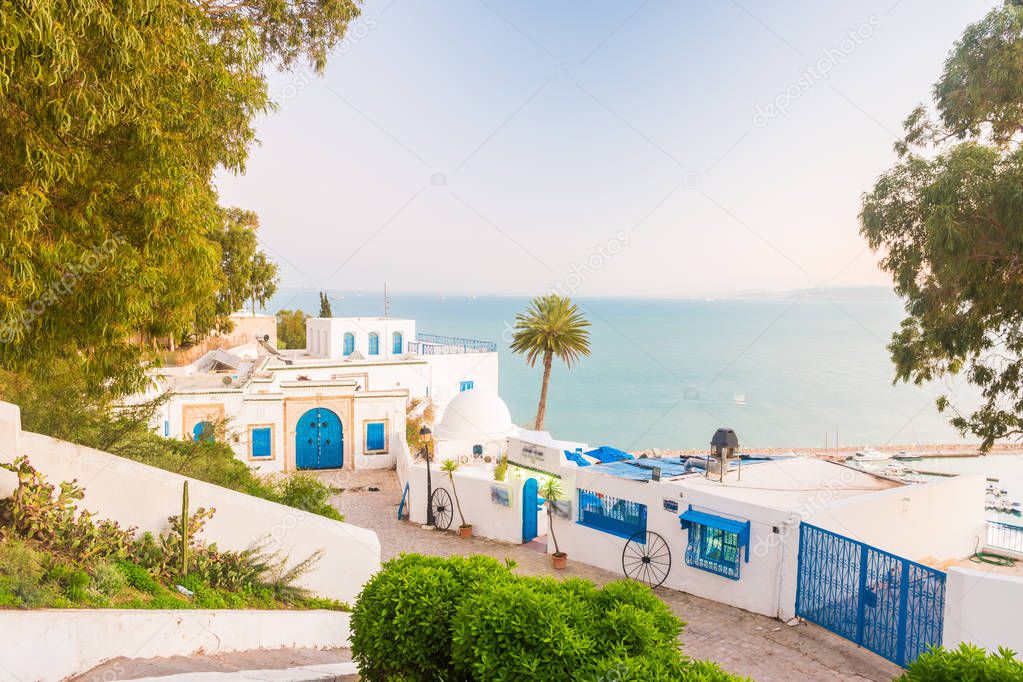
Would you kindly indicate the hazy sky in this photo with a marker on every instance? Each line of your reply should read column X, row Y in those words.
column 639, row 148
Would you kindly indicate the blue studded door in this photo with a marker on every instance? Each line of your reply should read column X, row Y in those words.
column 530, row 501
column 319, row 440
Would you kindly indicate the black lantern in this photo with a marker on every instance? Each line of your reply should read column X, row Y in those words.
column 722, row 448
column 425, row 434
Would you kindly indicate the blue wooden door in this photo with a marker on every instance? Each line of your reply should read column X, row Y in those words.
column 203, row 431
column 319, row 440
column 529, row 504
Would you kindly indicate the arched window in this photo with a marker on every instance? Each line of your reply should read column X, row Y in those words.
column 349, row 343
column 374, row 343
column 397, row 344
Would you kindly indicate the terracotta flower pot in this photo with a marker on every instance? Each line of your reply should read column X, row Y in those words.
column 465, row 531
column 560, row 560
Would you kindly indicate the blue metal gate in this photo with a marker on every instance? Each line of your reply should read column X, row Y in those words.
column 319, row 440
column 883, row 602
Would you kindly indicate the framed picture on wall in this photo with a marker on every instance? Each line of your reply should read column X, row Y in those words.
column 500, row 495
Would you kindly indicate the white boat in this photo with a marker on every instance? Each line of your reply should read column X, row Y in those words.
column 871, row 455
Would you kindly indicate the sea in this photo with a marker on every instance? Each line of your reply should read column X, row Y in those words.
column 797, row 370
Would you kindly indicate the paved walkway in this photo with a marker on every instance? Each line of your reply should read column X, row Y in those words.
column 743, row 643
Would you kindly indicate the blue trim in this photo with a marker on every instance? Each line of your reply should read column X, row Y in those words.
column 166, row 428
column 465, row 386
column 261, row 442
column 375, row 440
column 608, row 514
column 374, row 343
column 715, row 543
column 397, row 343
column 349, row 347
column 401, row 505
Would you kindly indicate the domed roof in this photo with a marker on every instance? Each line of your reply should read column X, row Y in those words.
column 475, row 415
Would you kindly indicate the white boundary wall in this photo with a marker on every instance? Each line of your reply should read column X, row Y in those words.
column 51, row 644
column 135, row 494
column 983, row 608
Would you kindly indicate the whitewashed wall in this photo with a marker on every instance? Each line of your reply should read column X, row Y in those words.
column 983, row 607
column 46, row 645
column 134, row 494
column 447, row 372
column 759, row 587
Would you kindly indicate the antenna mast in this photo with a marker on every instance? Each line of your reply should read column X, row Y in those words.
column 387, row 302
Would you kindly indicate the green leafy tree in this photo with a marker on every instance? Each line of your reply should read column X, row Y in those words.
column 947, row 220
column 325, row 310
column 450, row 466
column 113, row 121
column 291, row 328
column 551, row 326
column 246, row 272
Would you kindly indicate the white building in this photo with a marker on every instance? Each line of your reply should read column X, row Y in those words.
column 337, row 404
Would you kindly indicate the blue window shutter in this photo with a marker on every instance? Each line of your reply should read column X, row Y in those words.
column 465, row 386
column 166, row 428
column 374, row 344
column 349, row 343
column 396, row 343
column 261, row 442
column 375, row 436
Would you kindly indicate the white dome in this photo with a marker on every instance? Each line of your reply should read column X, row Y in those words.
column 475, row 416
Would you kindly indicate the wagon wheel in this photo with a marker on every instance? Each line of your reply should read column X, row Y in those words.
column 646, row 558
column 442, row 512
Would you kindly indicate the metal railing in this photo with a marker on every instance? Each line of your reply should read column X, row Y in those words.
column 433, row 344
column 1005, row 536
column 623, row 518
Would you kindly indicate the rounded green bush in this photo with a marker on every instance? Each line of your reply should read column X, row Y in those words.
column 968, row 662
column 401, row 624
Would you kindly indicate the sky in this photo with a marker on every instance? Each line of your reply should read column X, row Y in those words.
column 641, row 148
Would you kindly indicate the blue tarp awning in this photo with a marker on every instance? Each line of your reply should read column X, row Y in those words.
column 739, row 528
column 577, row 458
column 606, row 453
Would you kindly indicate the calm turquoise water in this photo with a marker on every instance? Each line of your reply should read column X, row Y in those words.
column 795, row 372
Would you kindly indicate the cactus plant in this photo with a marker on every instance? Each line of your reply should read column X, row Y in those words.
column 184, row 529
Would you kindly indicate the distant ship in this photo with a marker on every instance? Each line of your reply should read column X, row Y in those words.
column 871, row 455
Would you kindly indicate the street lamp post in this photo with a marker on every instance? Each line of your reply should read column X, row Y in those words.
column 425, row 435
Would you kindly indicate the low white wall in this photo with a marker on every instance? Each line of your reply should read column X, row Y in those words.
column 488, row 520
column 51, row 644
column 929, row 523
column 983, row 608
column 758, row 588
column 135, row 494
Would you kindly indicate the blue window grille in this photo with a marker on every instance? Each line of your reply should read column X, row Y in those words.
column 349, row 343
column 611, row 514
column 374, row 343
column 261, row 442
column 397, row 343
column 375, row 437
column 465, row 386
column 715, row 543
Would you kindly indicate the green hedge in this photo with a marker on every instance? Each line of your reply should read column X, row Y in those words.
column 969, row 663
column 470, row 618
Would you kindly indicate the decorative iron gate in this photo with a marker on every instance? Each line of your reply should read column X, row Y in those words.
column 883, row 602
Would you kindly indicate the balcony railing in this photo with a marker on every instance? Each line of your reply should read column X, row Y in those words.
column 432, row 344
column 1005, row 536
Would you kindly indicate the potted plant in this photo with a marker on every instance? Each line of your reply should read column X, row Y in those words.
column 551, row 491
column 449, row 466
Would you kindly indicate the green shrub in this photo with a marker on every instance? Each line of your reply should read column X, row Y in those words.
column 138, row 577
column 968, row 662
column 401, row 624
column 22, row 574
column 301, row 491
column 107, row 578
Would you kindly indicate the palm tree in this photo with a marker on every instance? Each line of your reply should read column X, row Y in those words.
column 551, row 491
column 552, row 325
column 449, row 466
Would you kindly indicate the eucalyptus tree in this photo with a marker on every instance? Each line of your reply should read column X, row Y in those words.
column 948, row 221
column 113, row 120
